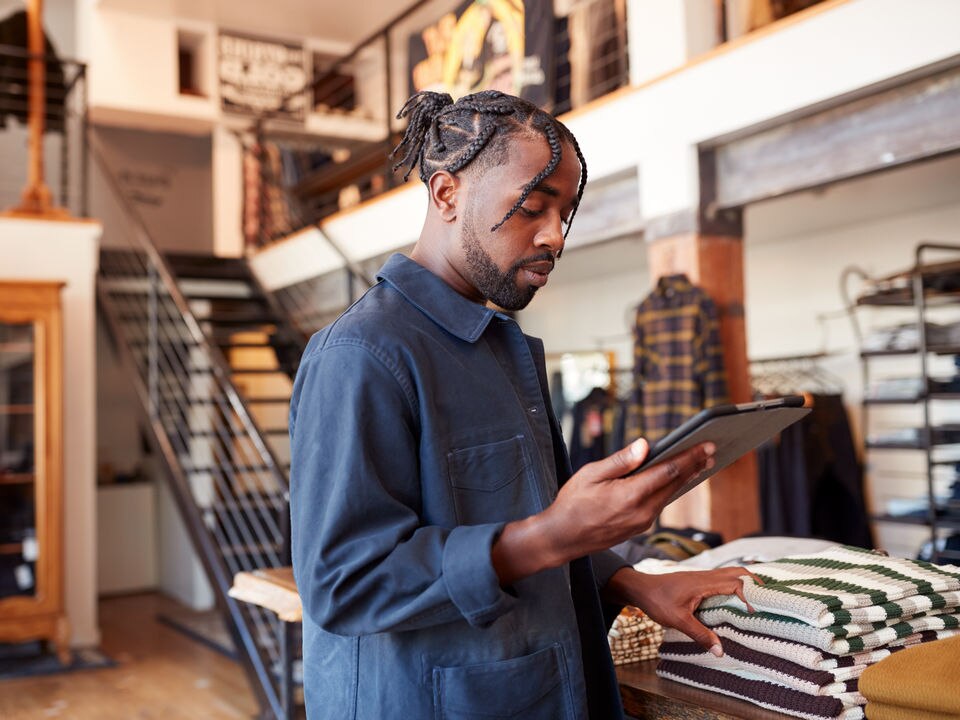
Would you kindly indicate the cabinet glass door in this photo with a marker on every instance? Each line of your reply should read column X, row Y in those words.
column 18, row 541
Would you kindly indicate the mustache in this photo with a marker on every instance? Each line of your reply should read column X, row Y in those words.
column 542, row 257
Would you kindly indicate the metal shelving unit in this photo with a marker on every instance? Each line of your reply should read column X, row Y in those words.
column 917, row 294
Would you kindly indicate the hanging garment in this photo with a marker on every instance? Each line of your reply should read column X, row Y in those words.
column 14, row 77
column 597, row 428
column 811, row 480
column 678, row 359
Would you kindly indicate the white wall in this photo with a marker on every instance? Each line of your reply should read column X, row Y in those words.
column 126, row 538
column 68, row 251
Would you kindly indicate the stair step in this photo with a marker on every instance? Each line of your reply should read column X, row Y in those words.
column 267, row 502
column 250, row 549
column 217, row 297
column 228, row 318
column 198, row 469
column 251, row 345
column 187, row 265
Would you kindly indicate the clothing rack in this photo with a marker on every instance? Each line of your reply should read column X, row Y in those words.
column 794, row 374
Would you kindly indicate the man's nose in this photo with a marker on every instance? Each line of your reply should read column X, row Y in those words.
column 551, row 235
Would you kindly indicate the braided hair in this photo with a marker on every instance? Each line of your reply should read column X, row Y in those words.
column 447, row 135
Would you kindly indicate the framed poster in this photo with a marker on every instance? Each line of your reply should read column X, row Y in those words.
column 255, row 74
column 502, row 45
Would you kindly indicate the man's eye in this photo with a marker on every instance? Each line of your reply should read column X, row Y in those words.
column 530, row 213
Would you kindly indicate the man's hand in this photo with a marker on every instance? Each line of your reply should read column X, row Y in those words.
column 671, row 598
column 600, row 506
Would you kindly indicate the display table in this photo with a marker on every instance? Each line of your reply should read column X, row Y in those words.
column 644, row 694
column 647, row 696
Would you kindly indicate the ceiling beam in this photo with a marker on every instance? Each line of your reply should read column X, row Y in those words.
column 918, row 120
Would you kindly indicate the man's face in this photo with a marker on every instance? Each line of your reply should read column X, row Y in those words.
column 509, row 265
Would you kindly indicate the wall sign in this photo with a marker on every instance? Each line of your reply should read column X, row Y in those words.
column 255, row 74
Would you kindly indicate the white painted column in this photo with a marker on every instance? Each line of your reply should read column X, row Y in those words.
column 665, row 34
column 227, row 194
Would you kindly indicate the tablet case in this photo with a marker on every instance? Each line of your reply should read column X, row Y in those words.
column 735, row 430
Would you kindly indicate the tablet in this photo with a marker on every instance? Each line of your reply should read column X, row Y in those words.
column 734, row 429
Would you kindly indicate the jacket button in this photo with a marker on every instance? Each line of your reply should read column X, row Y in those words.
column 533, row 410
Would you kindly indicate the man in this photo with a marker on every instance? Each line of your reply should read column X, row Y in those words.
column 449, row 565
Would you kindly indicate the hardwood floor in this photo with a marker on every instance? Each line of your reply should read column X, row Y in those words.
column 160, row 674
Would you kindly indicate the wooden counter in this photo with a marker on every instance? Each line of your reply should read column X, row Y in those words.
column 647, row 696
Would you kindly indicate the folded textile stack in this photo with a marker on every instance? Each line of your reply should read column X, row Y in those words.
column 920, row 684
column 634, row 637
column 817, row 622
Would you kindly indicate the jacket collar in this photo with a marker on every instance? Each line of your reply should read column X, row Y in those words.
column 434, row 298
column 670, row 284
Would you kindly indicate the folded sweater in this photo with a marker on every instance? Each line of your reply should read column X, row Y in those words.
column 811, row 657
column 761, row 692
column 843, row 586
column 921, row 679
column 745, row 662
column 832, row 640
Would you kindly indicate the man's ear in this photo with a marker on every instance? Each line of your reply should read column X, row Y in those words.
column 444, row 190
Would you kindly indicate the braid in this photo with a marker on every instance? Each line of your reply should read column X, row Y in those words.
column 473, row 149
column 583, row 179
column 443, row 135
column 556, row 152
column 424, row 110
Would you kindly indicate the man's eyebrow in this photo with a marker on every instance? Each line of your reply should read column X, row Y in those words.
column 547, row 189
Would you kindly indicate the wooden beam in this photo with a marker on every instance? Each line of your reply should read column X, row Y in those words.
column 918, row 120
column 36, row 199
column 728, row 503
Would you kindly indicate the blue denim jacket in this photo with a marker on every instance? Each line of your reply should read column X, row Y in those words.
column 420, row 425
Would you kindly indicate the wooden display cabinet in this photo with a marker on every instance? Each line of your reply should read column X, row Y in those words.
column 31, row 486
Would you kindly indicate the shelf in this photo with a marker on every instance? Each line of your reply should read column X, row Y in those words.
column 911, row 401
column 16, row 409
column 16, row 347
column 895, row 446
column 904, row 298
column 947, row 523
column 934, row 349
column 11, row 548
column 17, row 478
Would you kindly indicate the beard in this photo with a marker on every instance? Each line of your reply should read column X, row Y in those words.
column 498, row 286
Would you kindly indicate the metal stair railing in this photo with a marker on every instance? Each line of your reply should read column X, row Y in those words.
column 228, row 486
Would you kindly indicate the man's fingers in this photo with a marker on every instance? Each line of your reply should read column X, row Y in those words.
column 678, row 469
column 701, row 634
column 623, row 461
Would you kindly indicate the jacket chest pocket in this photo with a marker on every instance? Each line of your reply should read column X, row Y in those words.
column 491, row 482
column 533, row 687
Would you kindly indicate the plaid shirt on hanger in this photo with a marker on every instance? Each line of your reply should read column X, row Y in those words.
column 678, row 359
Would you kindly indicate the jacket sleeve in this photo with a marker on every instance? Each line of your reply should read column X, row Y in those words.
column 363, row 560
column 708, row 351
column 605, row 564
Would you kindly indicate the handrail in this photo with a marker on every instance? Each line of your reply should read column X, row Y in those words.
column 219, row 363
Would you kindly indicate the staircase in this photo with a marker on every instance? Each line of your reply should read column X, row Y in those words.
column 261, row 348
column 211, row 360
